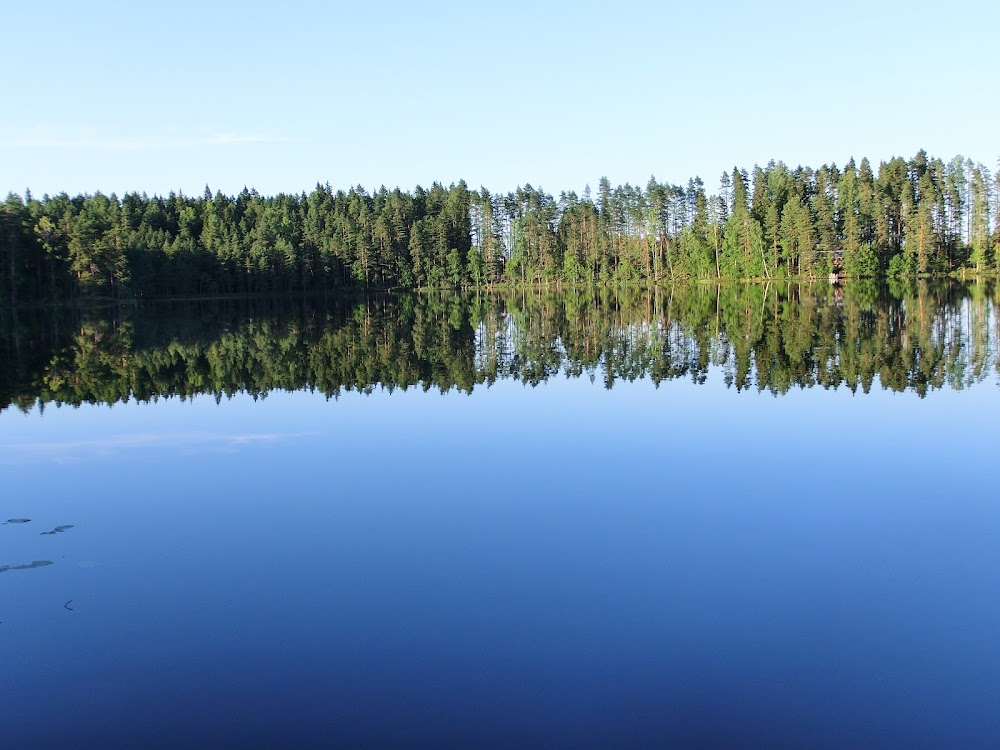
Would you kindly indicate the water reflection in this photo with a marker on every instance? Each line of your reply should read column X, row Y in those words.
column 773, row 337
column 561, row 566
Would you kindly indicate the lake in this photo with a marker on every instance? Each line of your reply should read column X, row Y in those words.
column 714, row 516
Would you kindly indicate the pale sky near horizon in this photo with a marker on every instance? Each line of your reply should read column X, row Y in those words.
column 124, row 97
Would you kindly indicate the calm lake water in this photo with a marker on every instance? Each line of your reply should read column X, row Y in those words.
column 739, row 517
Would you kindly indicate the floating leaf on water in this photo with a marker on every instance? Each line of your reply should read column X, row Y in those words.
column 16, row 520
column 29, row 566
column 58, row 530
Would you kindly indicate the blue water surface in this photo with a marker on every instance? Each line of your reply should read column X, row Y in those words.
column 552, row 566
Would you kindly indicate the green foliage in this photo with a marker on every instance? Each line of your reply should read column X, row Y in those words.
column 902, row 264
column 921, row 216
column 863, row 263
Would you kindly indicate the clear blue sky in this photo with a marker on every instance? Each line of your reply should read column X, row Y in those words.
column 153, row 97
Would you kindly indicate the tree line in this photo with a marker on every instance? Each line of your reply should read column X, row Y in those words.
column 775, row 336
column 913, row 217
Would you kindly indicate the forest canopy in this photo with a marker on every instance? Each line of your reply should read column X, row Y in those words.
column 915, row 217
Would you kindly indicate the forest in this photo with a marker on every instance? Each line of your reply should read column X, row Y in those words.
column 905, row 218
column 908, row 335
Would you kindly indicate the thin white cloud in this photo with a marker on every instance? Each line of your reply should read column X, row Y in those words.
column 70, row 451
column 136, row 143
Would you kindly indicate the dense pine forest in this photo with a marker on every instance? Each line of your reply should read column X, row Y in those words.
column 906, row 218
